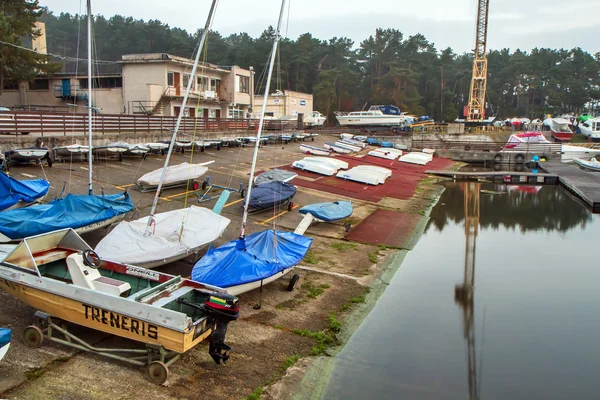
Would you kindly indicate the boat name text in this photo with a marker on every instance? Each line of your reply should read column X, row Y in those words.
column 144, row 273
column 119, row 321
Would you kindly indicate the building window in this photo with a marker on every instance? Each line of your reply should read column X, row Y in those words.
column 186, row 80
column 206, row 83
column 102, row 83
column 243, row 84
column 10, row 86
column 39, row 84
column 234, row 112
column 170, row 79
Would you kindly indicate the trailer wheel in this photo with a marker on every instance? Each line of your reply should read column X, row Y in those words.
column 293, row 282
column 195, row 185
column 204, row 185
column 312, row 139
column 348, row 227
column 498, row 158
column 519, row 158
column 33, row 337
column 49, row 161
column 243, row 193
column 157, row 372
column 290, row 206
column 219, row 147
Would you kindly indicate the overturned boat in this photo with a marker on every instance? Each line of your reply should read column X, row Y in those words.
column 329, row 211
column 334, row 162
column 61, row 276
column 20, row 193
column 183, row 174
column 315, row 166
column 317, row 151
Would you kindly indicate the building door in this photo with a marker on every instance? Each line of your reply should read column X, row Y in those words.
column 176, row 111
column 66, row 88
column 300, row 121
column 177, row 83
column 205, row 113
column 218, row 113
column 192, row 112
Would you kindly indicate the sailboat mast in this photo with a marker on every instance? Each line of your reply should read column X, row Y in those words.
column 262, row 118
column 90, row 83
column 181, row 111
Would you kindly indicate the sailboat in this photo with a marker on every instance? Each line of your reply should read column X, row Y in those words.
column 20, row 193
column 83, row 213
column 166, row 237
column 250, row 262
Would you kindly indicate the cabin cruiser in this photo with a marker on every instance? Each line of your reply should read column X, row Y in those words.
column 375, row 116
column 591, row 128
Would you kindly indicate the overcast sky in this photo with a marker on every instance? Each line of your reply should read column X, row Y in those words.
column 523, row 24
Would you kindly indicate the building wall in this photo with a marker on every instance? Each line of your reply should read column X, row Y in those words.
column 143, row 82
column 289, row 105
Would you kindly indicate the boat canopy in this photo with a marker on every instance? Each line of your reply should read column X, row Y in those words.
column 72, row 211
column 527, row 138
column 328, row 212
column 12, row 191
column 387, row 110
column 270, row 194
column 258, row 256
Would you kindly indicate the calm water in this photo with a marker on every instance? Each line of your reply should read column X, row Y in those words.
column 536, row 307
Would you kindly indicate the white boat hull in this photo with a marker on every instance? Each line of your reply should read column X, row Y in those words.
column 348, row 146
column 416, row 158
column 316, row 167
column 331, row 161
column 386, row 120
column 246, row 287
column 314, row 150
column 388, row 155
column 4, row 350
column 361, row 176
column 570, row 152
column 337, row 149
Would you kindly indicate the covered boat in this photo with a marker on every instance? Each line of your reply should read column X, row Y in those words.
column 328, row 212
column 19, row 193
column 27, row 155
column 5, row 336
column 177, row 175
column 81, row 212
column 171, row 239
column 113, row 150
column 72, row 152
column 315, row 166
column 271, row 195
column 274, row 175
column 245, row 264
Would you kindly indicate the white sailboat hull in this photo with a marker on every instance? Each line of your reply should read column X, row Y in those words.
column 337, row 149
column 375, row 120
column 246, row 287
column 314, row 150
column 316, row 167
column 569, row 152
column 326, row 160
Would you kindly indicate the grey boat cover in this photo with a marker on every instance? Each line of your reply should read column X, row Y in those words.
column 274, row 175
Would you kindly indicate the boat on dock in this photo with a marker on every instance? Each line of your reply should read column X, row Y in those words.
column 21, row 193
column 570, row 152
column 317, row 151
column 5, row 336
column 59, row 274
column 591, row 164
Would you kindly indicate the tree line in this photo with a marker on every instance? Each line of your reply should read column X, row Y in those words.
column 388, row 67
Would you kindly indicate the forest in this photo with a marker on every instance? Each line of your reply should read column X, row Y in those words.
column 388, row 67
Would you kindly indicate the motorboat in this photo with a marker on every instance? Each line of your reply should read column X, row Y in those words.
column 317, row 151
column 560, row 128
column 21, row 193
column 279, row 175
column 338, row 149
column 72, row 152
column 175, row 235
column 591, row 164
column 60, row 275
column 527, row 141
column 27, row 155
column 334, row 162
column 377, row 115
column 83, row 213
column 370, row 176
column 416, row 157
column 271, row 195
column 570, row 152
column 591, row 128
column 5, row 336
column 387, row 153
column 314, row 119
column 315, row 166
column 183, row 174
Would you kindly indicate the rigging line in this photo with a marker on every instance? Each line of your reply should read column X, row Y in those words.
column 64, row 58
column 287, row 23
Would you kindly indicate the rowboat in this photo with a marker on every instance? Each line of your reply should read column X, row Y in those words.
column 591, row 164
column 58, row 274
column 317, row 151
column 367, row 174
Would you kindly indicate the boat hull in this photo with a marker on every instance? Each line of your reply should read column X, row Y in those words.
column 314, row 150
column 337, row 149
column 593, row 166
column 4, row 350
column 374, row 121
column 562, row 136
column 246, row 287
column 26, row 155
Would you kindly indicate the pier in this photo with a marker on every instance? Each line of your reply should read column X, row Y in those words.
column 585, row 185
column 501, row 176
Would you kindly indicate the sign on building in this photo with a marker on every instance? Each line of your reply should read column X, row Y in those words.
column 302, row 102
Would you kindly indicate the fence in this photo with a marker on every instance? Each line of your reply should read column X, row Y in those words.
column 52, row 124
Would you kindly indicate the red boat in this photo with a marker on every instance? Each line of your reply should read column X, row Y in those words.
column 561, row 132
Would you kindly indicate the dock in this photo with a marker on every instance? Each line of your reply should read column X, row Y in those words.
column 583, row 184
column 524, row 177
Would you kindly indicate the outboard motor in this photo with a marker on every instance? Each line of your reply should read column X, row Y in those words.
column 221, row 309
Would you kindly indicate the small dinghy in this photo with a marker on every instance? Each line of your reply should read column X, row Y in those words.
column 416, row 157
column 110, row 151
column 334, row 162
column 177, row 175
column 132, row 149
column 315, row 166
column 271, row 195
column 5, row 336
column 360, row 138
column 73, row 152
column 27, row 155
column 365, row 174
column 356, row 143
column 591, row 164
column 328, row 212
column 388, row 154
column 274, row 175
column 157, row 147
column 352, row 147
column 373, row 141
column 346, row 136
column 338, row 149
column 15, row 193
column 317, row 151
column 386, row 173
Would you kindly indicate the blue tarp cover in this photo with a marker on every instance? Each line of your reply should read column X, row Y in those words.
column 5, row 334
column 329, row 211
column 372, row 141
column 73, row 211
column 12, row 190
column 259, row 256
column 268, row 195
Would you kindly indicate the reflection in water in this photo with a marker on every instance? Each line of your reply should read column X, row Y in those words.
column 463, row 293
column 549, row 209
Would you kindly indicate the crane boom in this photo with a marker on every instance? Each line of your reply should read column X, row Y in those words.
column 476, row 106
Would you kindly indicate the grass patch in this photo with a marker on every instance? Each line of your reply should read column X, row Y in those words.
column 324, row 286
column 311, row 257
column 323, row 340
column 315, row 291
column 256, row 394
column 373, row 256
column 290, row 361
column 334, row 324
column 343, row 246
column 278, row 327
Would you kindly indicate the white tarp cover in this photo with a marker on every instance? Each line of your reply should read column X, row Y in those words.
column 127, row 243
column 175, row 173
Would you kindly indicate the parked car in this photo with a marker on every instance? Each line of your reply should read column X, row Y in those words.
column 6, row 120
